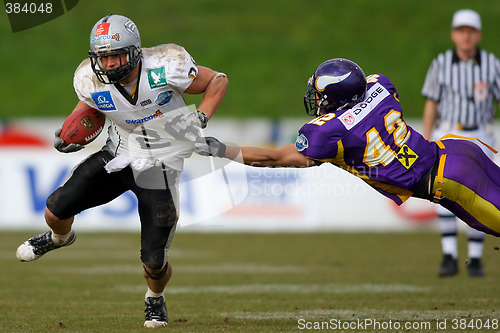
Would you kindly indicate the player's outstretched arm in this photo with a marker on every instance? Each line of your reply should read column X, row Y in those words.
column 286, row 156
column 213, row 85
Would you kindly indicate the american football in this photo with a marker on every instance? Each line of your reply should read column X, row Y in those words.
column 82, row 126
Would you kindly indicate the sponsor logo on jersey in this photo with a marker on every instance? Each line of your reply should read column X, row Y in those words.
column 374, row 97
column 301, row 143
column 103, row 101
column 102, row 29
column 157, row 78
column 146, row 102
column 164, row 97
column 407, row 156
column 157, row 114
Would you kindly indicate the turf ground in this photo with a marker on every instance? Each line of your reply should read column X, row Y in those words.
column 252, row 283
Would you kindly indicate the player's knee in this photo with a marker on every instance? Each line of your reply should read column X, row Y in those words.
column 52, row 201
column 153, row 258
column 157, row 274
column 55, row 206
column 51, row 217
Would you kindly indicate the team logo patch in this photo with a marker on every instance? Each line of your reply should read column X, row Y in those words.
column 164, row 97
column 301, row 143
column 192, row 73
column 407, row 156
column 157, row 78
column 104, row 101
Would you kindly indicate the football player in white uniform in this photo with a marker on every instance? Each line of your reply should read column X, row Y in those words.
column 152, row 130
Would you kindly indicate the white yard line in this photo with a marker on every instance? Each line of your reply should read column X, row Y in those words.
column 287, row 288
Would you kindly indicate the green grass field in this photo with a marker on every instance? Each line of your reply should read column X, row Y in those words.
column 268, row 48
column 250, row 283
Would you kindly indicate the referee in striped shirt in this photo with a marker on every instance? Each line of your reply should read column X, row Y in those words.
column 460, row 87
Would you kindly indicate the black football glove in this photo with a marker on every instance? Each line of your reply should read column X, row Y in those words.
column 212, row 147
column 59, row 144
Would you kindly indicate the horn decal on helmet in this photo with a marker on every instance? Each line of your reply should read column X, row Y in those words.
column 323, row 81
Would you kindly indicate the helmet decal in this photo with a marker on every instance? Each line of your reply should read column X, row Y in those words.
column 323, row 81
column 102, row 29
column 131, row 27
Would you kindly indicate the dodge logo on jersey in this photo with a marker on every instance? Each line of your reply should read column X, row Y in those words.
column 103, row 101
column 347, row 118
column 375, row 96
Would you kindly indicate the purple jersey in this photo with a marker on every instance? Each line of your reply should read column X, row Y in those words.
column 372, row 141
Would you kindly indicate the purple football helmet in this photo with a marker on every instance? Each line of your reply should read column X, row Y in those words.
column 336, row 84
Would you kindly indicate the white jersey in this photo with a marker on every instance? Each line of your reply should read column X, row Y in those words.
column 155, row 126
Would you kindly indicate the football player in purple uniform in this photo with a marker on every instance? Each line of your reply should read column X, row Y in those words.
column 359, row 127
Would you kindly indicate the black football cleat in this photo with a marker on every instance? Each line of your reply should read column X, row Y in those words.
column 475, row 267
column 449, row 266
column 156, row 312
column 38, row 245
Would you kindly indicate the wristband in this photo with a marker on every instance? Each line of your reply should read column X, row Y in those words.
column 203, row 118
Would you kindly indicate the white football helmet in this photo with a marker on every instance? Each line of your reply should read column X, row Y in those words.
column 114, row 35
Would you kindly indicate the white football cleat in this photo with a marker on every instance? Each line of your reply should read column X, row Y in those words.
column 38, row 245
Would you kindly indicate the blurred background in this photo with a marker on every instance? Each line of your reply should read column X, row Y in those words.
column 268, row 49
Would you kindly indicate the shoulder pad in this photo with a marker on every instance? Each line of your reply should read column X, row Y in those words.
column 85, row 82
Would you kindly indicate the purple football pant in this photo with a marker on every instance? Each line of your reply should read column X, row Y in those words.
column 468, row 184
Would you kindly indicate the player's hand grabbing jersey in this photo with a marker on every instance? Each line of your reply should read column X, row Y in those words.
column 154, row 123
column 372, row 141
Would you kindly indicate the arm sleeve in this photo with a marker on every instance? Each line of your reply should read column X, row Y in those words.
column 431, row 88
column 83, row 83
column 181, row 69
column 496, row 81
column 315, row 144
